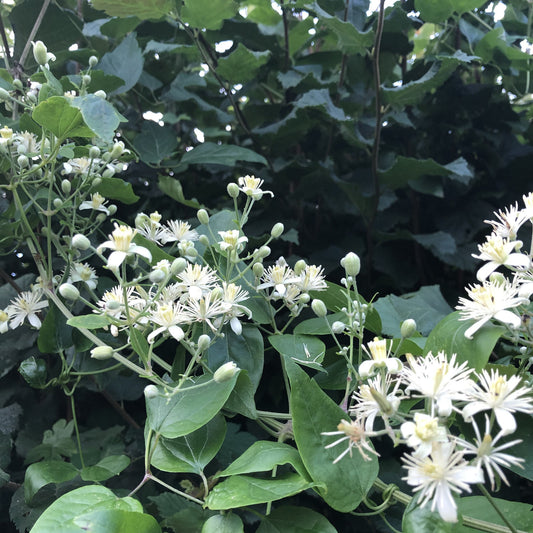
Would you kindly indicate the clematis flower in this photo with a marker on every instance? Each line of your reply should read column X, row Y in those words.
column 85, row 273
column 96, row 203
column 355, row 433
column 4, row 321
column 120, row 241
column 509, row 222
column 232, row 240
column 377, row 350
column 26, row 306
column 422, row 433
column 251, row 186
column 197, row 280
column 170, row 318
column 178, row 230
column 311, row 279
column 278, row 276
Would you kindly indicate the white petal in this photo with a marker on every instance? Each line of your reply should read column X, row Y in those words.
column 116, row 259
column 508, row 317
column 366, row 368
column 486, row 270
column 236, row 325
column 505, row 420
column 33, row 319
column 445, row 503
column 472, row 408
column 176, row 332
column 469, row 333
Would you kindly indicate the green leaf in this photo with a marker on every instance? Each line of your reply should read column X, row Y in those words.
column 321, row 98
column 209, row 153
column 93, row 321
column 496, row 43
column 241, row 491
column 54, row 334
column 45, row 472
column 193, row 452
column 523, row 449
column 57, row 115
column 463, row 6
column 242, row 64
column 155, row 143
column 139, row 344
column 426, row 306
column 440, row 244
column 181, row 412
column 263, row 456
column 290, row 519
column 117, row 189
column 208, row 14
column 34, row 372
column 519, row 514
column 304, row 349
column 172, row 187
column 227, row 523
column 319, row 325
column 241, row 400
column 432, row 11
column 57, row 443
column 407, row 169
column 125, row 61
column 342, row 485
column 109, row 466
column 449, row 336
column 417, row 519
column 99, row 115
column 143, row 9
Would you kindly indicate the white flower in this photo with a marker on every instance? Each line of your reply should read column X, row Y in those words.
column 232, row 295
column 169, row 317
column 83, row 272
column 121, row 242
column 509, row 222
column 232, row 241
column 197, row 280
column 311, row 279
column 96, row 203
column 488, row 455
column 357, row 437
column 437, row 379
column 498, row 251
column 528, row 202
column 179, row 230
column 113, row 303
column 502, row 395
column 422, row 433
column 493, row 299
column 79, row 165
column 150, row 227
column 251, row 186
column 207, row 308
column 25, row 307
column 438, row 475
column 4, row 321
column 278, row 276
column 377, row 350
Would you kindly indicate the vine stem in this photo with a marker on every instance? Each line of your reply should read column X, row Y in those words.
column 489, row 497
column 33, row 32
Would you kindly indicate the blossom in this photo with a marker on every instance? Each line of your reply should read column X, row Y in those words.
column 251, row 186
column 26, row 306
column 232, row 241
column 509, row 222
column 488, row 455
column 438, row 379
column 277, row 276
column 232, row 295
column 498, row 251
column 206, row 308
column 438, row 475
column 178, row 230
column 113, row 302
column 528, row 203
column 79, row 165
column 170, row 317
column 501, row 394
column 96, row 203
column 377, row 349
column 26, row 143
column 120, row 241
column 493, row 299
column 197, row 280
column 354, row 432
column 422, row 433
column 83, row 272
column 311, row 279
column 150, row 227
column 4, row 321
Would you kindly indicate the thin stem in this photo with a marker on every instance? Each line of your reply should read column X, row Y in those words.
column 285, row 33
column 489, row 497
column 33, row 32
column 77, row 429
column 171, row 488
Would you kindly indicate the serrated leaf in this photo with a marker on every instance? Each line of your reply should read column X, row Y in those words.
column 155, row 143
column 143, row 9
column 242, row 64
column 89, row 321
column 57, row 115
column 208, row 14
column 209, row 153
column 98, row 114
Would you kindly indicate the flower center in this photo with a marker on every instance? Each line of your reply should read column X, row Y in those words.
column 122, row 237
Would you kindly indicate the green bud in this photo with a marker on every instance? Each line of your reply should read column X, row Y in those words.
column 102, row 353
column 203, row 240
column 408, row 328
column 233, row 190
column 319, row 307
column 21, row 149
column 66, row 186
column 108, row 173
column 36, row 170
column 157, row 276
column 86, row 79
column 112, row 209
column 151, row 391
column 40, row 53
column 203, row 216
column 203, row 342
column 69, row 292
column 57, row 203
column 299, row 267
column 4, row 95
column 263, row 252
column 351, row 264
column 497, row 278
column 277, row 230
column 225, row 372
column 93, row 61
column 18, row 84
column 258, row 269
column 178, row 266
column 100, row 217
column 101, row 94
column 96, row 181
column 23, row 161
column 141, row 219
column 80, row 242
column 113, row 305
column 94, row 152
column 304, row 298
column 118, row 150
column 338, row 326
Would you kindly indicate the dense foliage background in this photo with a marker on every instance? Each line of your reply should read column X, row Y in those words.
column 392, row 131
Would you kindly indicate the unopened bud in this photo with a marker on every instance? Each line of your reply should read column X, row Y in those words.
column 94, row 152
column 69, row 292
column 178, row 266
column 40, row 53
column 96, row 181
column 86, row 79
column 118, row 150
column 102, row 353
column 277, row 230
column 408, row 328
column 203, row 240
column 319, row 307
column 141, row 219
column 151, row 391
column 351, row 264
column 80, row 242
column 233, row 190
column 258, row 269
column 338, row 327
column 57, row 203
column 299, row 267
column 4, row 95
column 304, row 298
column 93, row 61
column 18, row 84
column 66, row 186
column 100, row 217
column 23, row 161
column 263, row 252
column 225, row 372
column 157, row 276
column 101, row 94
column 108, row 173
column 112, row 208
column 497, row 278
column 203, row 342
column 203, row 216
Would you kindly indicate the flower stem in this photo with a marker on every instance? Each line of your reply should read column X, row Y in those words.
column 492, row 501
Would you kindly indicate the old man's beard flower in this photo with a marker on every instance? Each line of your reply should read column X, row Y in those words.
column 498, row 251
column 422, row 433
column 379, row 353
column 85, row 273
column 207, row 308
column 232, row 241
column 502, row 395
column 310, row 279
column 278, row 276
column 440, row 474
column 96, row 203
column 197, row 280
column 26, row 306
column 489, row 456
column 178, row 230
column 509, row 222
column 491, row 300
column 169, row 317
column 232, row 295
column 121, row 242
column 353, row 432
column 251, row 186
column 436, row 378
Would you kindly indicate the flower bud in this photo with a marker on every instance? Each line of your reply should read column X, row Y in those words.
column 203, row 216
column 40, row 53
column 108, row 173
column 23, row 161
column 203, row 342
column 351, row 264
column 178, row 266
column 93, row 61
column 118, row 150
column 225, row 372
column 408, row 328
column 258, row 269
column 101, row 94
column 100, row 217
column 69, row 292
column 338, row 326
column 57, row 203
column 277, row 230
column 18, row 84
column 66, row 186
column 80, row 242
column 4, row 95
column 263, row 252
column 203, row 240
column 96, row 181
column 299, row 267
column 94, row 152
column 157, row 276
column 233, row 190
column 497, row 278
column 86, row 79
column 304, row 298
column 112, row 208
column 151, row 391
column 319, row 307
column 102, row 353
